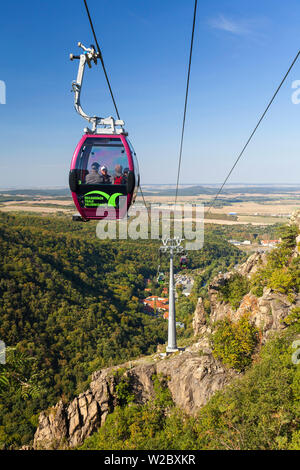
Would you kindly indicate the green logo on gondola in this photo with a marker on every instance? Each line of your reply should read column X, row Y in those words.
column 100, row 198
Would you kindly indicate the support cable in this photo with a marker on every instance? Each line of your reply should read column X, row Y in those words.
column 252, row 134
column 186, row 100
column 147, row 208
column 110, row 89
column 101, row 58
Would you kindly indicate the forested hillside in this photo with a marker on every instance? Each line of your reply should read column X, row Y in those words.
column 69, row 305
column 260, row 409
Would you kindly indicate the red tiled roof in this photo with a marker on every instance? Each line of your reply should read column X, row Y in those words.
column 156, row 302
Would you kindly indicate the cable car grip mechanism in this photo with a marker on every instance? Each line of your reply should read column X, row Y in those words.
column 100, row 125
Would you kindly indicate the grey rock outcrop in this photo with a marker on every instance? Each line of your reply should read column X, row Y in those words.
column 295, row 218
column 267, row 312
column 199, row 319
column 67, row 425
column 252, row 264
column 52, row 429
column 192, row 380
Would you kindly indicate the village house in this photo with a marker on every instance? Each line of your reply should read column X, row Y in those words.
column 155, row 304
column 269, row 242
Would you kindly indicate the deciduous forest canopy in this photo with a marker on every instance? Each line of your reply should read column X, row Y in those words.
column 70, row 305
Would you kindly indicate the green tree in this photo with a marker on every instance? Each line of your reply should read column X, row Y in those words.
column 234, row 342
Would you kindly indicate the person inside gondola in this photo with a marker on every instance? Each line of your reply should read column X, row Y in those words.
column 93, row 177
column 125, row 174
column 105, row 177
column 118, row 177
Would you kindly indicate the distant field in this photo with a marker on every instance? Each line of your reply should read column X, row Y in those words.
column 253, row 205
column 35, row 209
column 194, row 190
column 262, row 219
column 239, row 222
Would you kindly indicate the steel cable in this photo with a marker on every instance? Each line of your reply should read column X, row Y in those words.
column 252, row 134
column 101, row 58
column 186, row 99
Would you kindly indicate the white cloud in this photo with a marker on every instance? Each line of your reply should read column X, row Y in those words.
column 241, row 27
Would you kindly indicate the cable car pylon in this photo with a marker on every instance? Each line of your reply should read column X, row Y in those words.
column 172, row 246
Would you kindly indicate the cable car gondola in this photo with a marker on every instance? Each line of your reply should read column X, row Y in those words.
column 103, row 177
column 183, row 262
column 104, row 174
column 160, row 278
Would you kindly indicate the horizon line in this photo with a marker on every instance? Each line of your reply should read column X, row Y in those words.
column 46, row 187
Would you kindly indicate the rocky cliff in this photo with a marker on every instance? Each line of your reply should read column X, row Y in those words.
column 193, row 375
column 192, row 379
column 266, row 312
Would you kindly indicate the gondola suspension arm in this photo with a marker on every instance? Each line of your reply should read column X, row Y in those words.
column 100, row 125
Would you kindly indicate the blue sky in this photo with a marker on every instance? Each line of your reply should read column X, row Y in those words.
column 241, row 51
